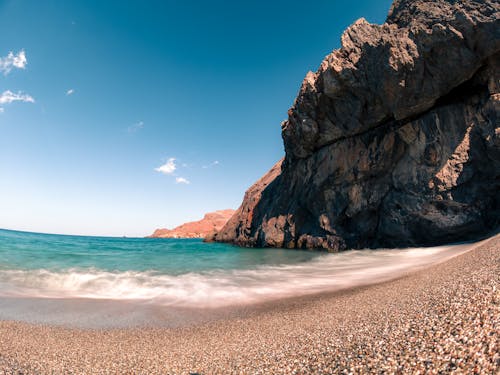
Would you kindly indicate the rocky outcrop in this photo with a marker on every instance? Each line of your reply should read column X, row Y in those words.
column 211, row 223
column 394, row 141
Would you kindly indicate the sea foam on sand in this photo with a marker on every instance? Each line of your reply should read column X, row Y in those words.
column 221, row 288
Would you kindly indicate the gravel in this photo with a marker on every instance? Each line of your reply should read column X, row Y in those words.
column 443, row 319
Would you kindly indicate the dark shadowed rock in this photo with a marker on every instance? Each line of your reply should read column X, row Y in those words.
column 394, row 141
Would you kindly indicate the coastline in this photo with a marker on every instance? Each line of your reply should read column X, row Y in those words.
column 443, row 317
column 259, row 290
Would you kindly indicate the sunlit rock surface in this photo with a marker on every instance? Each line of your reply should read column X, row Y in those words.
column 210, row 223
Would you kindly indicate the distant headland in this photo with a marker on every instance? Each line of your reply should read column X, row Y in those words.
column 211, row 223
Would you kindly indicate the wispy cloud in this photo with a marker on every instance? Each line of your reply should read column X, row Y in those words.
column 12, row 61
column 181, row 180
column 8, row 97
column 2, row 110
column 135, row 127
column 168, row 168
column 212, row 164
column 70, row 92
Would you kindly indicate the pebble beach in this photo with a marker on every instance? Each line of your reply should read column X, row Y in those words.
column 441, row 319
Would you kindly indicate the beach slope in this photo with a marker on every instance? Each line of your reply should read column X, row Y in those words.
column 439, row 319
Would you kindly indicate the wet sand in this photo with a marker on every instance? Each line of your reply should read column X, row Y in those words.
column 440, row 319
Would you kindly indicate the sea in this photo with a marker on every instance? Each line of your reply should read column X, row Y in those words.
column 111, row 281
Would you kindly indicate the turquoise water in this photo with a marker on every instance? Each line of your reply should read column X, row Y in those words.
column 184, row 273
column 31, row 251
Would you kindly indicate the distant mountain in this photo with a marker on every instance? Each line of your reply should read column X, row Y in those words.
column 211, row 222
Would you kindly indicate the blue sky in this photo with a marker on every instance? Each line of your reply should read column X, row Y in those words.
column 119, row 117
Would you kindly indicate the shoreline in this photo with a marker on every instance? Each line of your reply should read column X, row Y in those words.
column 109, row 313
column 420, row 319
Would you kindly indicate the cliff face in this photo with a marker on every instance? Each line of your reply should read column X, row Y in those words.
column 394, row 141
column 210, row 223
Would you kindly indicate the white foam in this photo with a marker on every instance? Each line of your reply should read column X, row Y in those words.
column 222, row 288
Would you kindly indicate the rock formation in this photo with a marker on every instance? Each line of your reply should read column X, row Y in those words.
column 211, row 223
column 394, row 141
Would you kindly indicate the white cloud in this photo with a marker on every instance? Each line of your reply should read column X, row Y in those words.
column 8, row 63
column 168, row 168
column 181, row 180
column 70, row 92
column 8, row 97
column 135, row 127
column 11, row 61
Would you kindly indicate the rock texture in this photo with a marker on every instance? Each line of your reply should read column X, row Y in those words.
column 394, row 141
column 210, row 223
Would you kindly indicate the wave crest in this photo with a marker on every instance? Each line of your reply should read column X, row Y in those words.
column 222, row 287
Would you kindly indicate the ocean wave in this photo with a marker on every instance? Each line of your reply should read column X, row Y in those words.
column 224, row 287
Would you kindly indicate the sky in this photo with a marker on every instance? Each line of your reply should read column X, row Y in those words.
column 120, row 117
